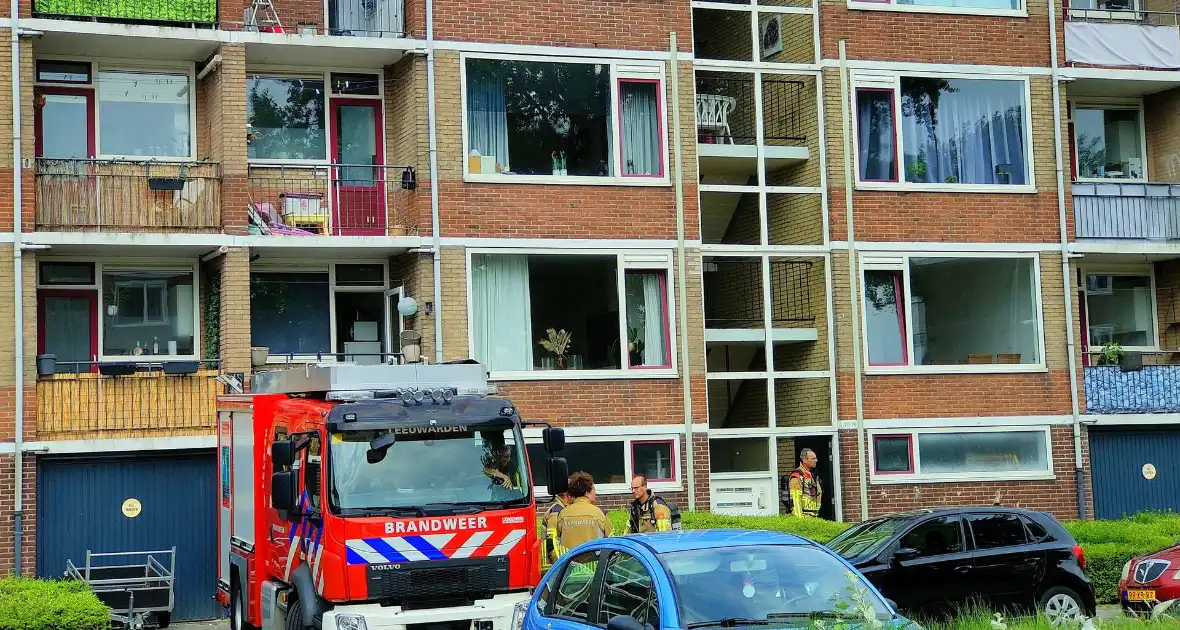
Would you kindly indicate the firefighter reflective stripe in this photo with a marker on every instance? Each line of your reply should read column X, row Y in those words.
column 433, row 547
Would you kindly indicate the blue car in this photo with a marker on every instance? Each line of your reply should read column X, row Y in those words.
column 704, row 579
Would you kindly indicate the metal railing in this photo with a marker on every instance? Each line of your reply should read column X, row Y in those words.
column 139, row 396
column 346, row 18
column 99, row 194
column 726, row 110
column 733, row 293
column 1147, row 382
column 148, row 11
column 1126, row 211
column 1124, row 12
column 338, row 200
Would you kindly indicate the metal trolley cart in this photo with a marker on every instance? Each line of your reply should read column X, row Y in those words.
column 136, row 585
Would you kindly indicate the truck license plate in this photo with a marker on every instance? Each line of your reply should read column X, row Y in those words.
column 1140, row 595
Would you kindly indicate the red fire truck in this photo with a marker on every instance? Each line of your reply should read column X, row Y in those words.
column 356, row 497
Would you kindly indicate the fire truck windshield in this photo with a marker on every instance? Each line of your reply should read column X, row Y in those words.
column 479, row 465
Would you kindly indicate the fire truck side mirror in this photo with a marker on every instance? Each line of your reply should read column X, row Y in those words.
column 559, row 475
column 282, row 454
column 554, row 439
column 379, row 447
column 283, row 489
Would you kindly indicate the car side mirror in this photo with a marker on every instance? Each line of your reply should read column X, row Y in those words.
column 624, row 622
column 559, row 475
column 553, row 439
column 282, row 453
column 905, row 553
column 283, row 490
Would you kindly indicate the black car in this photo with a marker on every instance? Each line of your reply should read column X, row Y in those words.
column 931, row 562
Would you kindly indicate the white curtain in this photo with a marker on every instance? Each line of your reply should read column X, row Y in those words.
column 645, row 313
column 875, row 150
column 974, row 135
column 641, row 128
column 500, row 311
column 487, row 116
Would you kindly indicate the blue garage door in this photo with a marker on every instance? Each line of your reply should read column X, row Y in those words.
column 1118, row 459
column 80, row 507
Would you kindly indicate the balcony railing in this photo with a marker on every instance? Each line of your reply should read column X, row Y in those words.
column 733, row 293
column 1150, row 389
column 1121, row 33
column 348, row 18
column 145, row 400
column 337, row 200
column 726, row 110
column 1126, row 211
column 104, row 194
column 168, row 11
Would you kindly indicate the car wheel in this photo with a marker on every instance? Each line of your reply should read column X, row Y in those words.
column 1062, row 605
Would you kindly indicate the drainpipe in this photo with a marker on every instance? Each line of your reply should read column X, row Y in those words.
column 853, row 283
column 1066, row 275
column 434, row 183
column 18, row 320
column 678, row 175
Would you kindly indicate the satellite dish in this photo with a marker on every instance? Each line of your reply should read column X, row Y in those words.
column 407, row 306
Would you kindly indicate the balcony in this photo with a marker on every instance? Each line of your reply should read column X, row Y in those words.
column 94, row 195
column 1153, row 389
column 729, row 112
column 143, row 401
column 345, row 18
column 145, row 11
column 1120, row 33
column 1126, row 211
column 336, row 200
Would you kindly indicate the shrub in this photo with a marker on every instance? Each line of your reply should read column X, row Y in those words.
column 820, row 531
column 27, row 604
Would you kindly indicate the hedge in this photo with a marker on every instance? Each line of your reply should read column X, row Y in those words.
column 1108, row 545
column 27, row 604
column 204, row 11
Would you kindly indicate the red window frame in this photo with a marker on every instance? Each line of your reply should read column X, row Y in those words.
column 898, row 291
column 89, row 294
column 659, row 128
column 88, row 93
column 672, row 463
column 909, row 438
column 895, row 174
column 667, row 329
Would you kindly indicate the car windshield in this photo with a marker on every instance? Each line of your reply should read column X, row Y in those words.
column 866, row 537
column 772, row 584
column 429, row 467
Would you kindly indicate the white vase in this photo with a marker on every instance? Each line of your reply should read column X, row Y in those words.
column 556, row 172
column 564, row 172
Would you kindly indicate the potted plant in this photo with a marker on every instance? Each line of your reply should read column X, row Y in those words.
column 1112, row 352
column 557, row 342
column 634, row 347
column 558, row 158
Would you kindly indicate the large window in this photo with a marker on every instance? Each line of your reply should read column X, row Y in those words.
column 953, row 311
column 148, row 312
column 113, row 112
column 613, row 461
column 285, row 117
column 933, row 131
column 1108, row 142
column 570, row 309
column 1120, row 307
column 948, row 454
column 563, row 119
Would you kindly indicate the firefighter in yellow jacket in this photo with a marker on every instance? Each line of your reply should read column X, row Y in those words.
column 549, row 523
column 649, row 513
column 580, row 521
column 805, row 488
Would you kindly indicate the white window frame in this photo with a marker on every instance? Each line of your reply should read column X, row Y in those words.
column 1140, row 271
column 292, row 266
column 891, row 80
column 98, row 65
column 891, row 5
column 620, row 70
column 143, row 319
column 634, row 260
column 628, row 436
column 1114, row 104
column 901, row 263
column 290, row 72
column 919, row 477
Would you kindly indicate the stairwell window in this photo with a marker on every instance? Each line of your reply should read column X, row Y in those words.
column 952, row 314
column 939, row 133
column 539, row 120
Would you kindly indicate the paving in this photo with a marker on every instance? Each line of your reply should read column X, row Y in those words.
column 220, row 624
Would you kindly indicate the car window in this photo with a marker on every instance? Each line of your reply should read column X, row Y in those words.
column 573, row 592
column 1036, row 532
column 935, row 537
column 992, row 531
column 627, row 590
column 546, row 592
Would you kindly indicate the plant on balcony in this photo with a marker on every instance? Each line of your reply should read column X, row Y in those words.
column 203, row 11
column 1112, row 352
column 557, row 342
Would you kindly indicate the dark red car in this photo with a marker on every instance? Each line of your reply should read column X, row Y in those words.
column 1150, row 581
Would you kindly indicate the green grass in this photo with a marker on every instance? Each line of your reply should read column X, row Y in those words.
column 27, row 604
column 1108, row 545
column 204, row 11
column 982, row 620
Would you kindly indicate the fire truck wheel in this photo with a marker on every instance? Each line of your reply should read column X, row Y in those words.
column 295, row 615
column 237, row 609
column 163, row 619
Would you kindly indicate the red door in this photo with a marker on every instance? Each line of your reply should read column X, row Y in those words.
column 67, row 327
column 358, row 175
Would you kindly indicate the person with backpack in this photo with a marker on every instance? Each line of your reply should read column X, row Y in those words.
column 650, row 513
column 549, row 521
column 805, row 492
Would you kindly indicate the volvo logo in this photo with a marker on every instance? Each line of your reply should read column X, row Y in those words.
column 1150, row 570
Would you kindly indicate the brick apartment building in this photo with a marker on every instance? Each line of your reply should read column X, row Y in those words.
column 192, row 180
